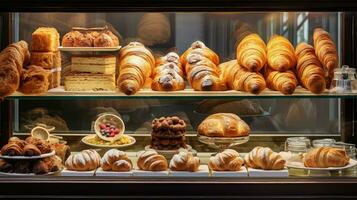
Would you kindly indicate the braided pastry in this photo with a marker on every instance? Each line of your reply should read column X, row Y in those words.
column 251, row 53
column 115, row 160
column 285, row 82
column 240, row 79
column 264, row 158
column 326, row 52
column 309, row 69
column 228, row 160
column 151, row 161
column 324, row 157
column 85, row 160
column 184, row 161
column 280, row 54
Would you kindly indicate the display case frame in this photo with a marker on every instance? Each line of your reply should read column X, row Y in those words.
column 95, row 187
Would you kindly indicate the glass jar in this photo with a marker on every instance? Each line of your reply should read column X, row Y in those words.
column 327, row 142
column 344, row 80
column 297, row 144
column 349, row 148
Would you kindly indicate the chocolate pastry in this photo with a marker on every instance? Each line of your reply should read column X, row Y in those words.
column 6, row 166
column 40, row 167
column 12, row 149
column 22, row 167
column 31, row 150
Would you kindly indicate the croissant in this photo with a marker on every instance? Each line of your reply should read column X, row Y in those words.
column 223, row 125
column 35, row 80
column 12, row 149
column 12, row 60
column 115, row 160
column 85, row 160
column 203, row 74
column 184, row 161
column 135, row 67
column 199, row 47
column 168, row 74
column 228, row 160
column 309, row 69
column 31, row 150
column 240, row 79
column 324, row 157
column 326, row 52
column 285, row 82
column 280, row 54
column 151, row 161
column 251, row 53
column 264, row 158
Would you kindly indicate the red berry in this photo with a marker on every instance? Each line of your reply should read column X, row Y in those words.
column 116, row 131
column 102, row 126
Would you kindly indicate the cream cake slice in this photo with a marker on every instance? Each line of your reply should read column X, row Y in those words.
column 94, row 64
column 89, row 82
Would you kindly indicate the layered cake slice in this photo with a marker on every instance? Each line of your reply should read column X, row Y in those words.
column 76, row 81
column 94, row 64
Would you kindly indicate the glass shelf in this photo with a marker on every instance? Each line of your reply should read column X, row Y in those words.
column 60, row 93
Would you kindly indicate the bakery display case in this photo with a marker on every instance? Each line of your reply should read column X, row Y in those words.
column 125, row 99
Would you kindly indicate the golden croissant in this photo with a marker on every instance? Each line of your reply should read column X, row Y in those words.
column 168, row 74
column 223, row 125
column 264, row 158
column 115, row 160
column 135, row 67
column 326, row 52
column 184, row 161
column 151, row 161
column 240, row 79
column 251, row 53
column 85, row 160
column 309, row 69
column 228, row 160
column 324, row 157
column 199, row 47
column 280, row 54
column 285, row 82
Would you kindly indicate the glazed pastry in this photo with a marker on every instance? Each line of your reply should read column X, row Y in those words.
column 5, row 166
column 309, row 69
column 223, row 125
column 42, row 145
column 280, row 54
column 12, row 149
column 69, row 38
column 45, row 39
column 326, row 52
column 103, row 40
column 35, row 80
column 324, row 157
column 83, row 40
column 264, row 158
column 115, row 39
column 85, row 160
column 115, row 160
column 240, row 79
column 12, row 60
column 22, row 167
column 17, row 141
column 205, row 52
column 184, row 161
column 31, row 150
column 151, row 161
column 228, row 160
column 54, row 163
column 285, row 82
column 168, row 74
column 136, row 64
column 40, row 167
column 251, row 53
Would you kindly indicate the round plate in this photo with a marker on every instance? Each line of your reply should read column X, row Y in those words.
column 222, row 142
column 29, row 157
column 300, row 165
column 84, row 140
column 30, row 174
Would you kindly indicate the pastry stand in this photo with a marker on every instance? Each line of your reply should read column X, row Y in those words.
column 222, row 143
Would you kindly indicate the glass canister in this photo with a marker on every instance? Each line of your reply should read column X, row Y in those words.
column 297, row 144
column 351, row 152
column 344, row 80
column 327, row 142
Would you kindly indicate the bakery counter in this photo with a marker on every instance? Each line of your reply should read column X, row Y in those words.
column 110, row 187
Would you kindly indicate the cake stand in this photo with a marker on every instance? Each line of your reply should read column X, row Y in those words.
column 222, row 143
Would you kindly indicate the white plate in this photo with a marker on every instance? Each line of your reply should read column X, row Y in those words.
column 142, row 173
column 203, row 171
column 107, row 146
column 300, row 165
column 28, row 157
column 88, row 49
column 29, row 174
column 242, row 173
column 67, row 172
column 101, row 172
column 267, row 173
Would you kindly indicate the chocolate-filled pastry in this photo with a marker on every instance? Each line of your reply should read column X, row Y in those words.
column 40, row 167
column 22, row 167
column 31, row 150
column 6, row 166
column 42, row 145
column 12, row 149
